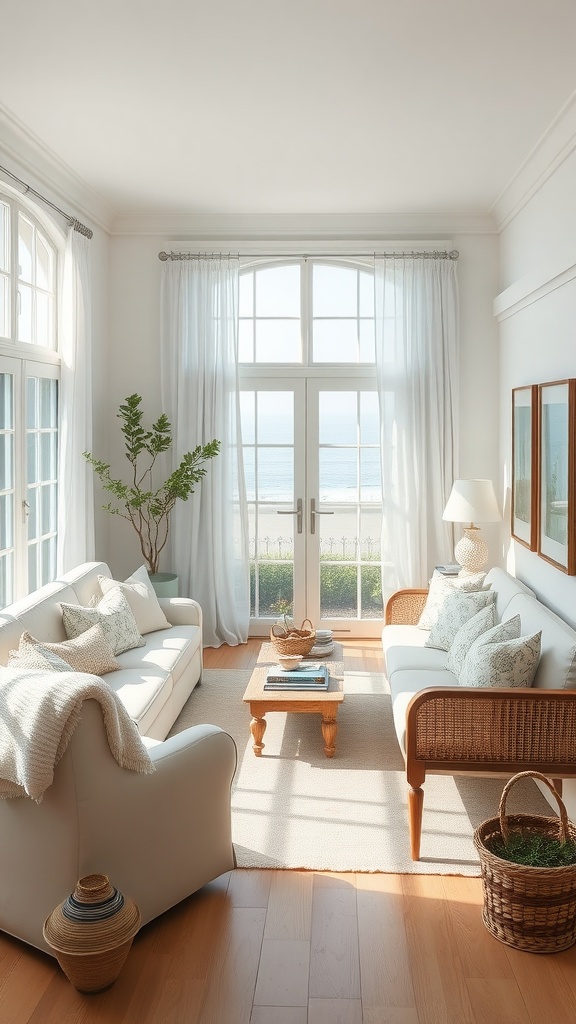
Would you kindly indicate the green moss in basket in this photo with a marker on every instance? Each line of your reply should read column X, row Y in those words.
column 537, row 851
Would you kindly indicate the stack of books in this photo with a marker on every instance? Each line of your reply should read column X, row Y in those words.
column 324, row 643
column 309, row 677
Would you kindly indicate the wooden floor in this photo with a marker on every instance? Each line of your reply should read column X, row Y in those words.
column 291, row 947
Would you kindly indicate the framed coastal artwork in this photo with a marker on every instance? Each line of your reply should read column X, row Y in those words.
column 556, row 473
column 524, row 502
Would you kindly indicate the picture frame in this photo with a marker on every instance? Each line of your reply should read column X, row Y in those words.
column 524, row 486
column 556, row 474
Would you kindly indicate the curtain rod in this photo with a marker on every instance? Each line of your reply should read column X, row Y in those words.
column 28, row 190
column 418, row 255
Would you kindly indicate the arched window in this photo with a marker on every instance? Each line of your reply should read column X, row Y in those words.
column 29, row 375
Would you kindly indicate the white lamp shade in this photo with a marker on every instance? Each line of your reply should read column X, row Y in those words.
column 472, row 501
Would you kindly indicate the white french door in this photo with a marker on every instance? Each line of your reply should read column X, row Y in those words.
column 28, row 476
column 312, row 465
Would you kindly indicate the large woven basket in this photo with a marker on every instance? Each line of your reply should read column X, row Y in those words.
column 530, row 908
column 293, row 641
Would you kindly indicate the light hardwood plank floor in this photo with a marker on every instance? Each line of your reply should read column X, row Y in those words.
column 293, row 947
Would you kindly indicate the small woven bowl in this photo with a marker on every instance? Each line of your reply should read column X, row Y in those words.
column 289, row 661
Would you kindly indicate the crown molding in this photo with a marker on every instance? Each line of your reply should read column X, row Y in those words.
column 551, row 150
column 550, row 276
column 25, row 155
column 321, row 226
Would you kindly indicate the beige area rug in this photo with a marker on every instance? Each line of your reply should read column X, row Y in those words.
column 295, row 808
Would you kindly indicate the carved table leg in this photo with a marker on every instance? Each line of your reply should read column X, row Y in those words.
column 329, row 730
column 258, row 728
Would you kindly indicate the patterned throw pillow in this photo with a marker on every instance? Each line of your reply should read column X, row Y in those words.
column 508, row 663
column 440, row 588
column 89, row 652
column 142, row 599
column 466, row 635
column 501, row 632
column 457, row 609
column 115, row 616
column 38, row 657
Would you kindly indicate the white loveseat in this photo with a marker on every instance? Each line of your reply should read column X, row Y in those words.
column 154, row 681
column 446, row 728
column 160, row 836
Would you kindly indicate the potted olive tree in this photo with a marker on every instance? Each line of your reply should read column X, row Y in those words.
column 146, row 504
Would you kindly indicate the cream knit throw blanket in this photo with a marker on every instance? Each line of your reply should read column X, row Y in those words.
column 38, row 714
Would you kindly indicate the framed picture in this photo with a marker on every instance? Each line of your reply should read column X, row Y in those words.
column 556, row 474
column 524, row 503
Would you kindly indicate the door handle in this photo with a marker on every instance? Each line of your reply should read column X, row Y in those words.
column 293, row 512
column 316, row 512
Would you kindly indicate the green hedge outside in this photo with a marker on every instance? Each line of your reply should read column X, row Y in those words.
column 338, row 588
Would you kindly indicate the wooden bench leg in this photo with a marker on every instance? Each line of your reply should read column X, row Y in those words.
column 415, row 806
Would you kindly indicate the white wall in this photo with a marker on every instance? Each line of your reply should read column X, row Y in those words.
column 538, row 344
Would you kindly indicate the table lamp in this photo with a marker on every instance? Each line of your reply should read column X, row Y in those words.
column 472, row 501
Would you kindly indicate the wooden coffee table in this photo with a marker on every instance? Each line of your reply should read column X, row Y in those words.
column 323, row 702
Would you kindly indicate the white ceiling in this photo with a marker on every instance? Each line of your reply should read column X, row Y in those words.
column 289, row 106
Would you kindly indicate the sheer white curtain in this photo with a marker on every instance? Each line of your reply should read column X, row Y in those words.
column 417, row 369
column 76, row 492
column 209, row 536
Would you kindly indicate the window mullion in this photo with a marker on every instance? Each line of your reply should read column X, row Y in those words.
column 306, row 312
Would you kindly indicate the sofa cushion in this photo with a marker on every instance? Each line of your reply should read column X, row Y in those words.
column 399, row 635
column 114, row 615
column 557, row 666
column 422, row 658
column 457, row 609
column 143, row 693
column 84, row 581
column 142, row 599
column 39, row 613
column 466, row 635
column 505, row 587
column 507, row 663
column 89, row 652
column 441, row 587
column 167, row 651
column 403, row 686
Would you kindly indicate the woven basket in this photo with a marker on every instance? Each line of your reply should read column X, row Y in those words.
column 293, row 641
column 91, row 933
column 530, row 908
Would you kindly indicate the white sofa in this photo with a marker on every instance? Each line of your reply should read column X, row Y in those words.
column 446, row 728
column 154, row 681
column 159, row 837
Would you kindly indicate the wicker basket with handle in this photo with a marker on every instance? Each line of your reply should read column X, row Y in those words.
column 293, row 641
column 530, row 908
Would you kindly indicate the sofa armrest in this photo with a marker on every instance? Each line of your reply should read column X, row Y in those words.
column 159, row 836
column 492, row 730
column 181, row 611
column 405, row 607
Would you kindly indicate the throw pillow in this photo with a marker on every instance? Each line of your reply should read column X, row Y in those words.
column 440, row 588
column 89, row 652
column 466, row 635
column 114, row 615
column 457, row 609
column 38, row 657
column 142, row 599
column 500, row 633
column 508, row 663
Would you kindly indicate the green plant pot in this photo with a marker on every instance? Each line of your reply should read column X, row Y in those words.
column 165, row 584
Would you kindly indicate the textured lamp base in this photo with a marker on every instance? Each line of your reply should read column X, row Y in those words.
column 471, row 551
